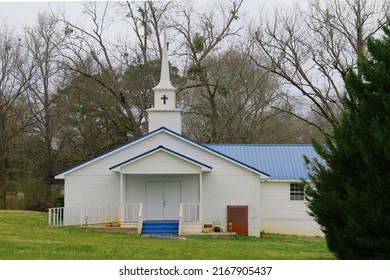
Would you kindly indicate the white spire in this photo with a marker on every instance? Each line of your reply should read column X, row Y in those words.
column 165, row 81
column 164, row 113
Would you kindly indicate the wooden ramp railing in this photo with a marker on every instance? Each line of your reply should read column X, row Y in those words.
column 83, row 215
column 96, row 214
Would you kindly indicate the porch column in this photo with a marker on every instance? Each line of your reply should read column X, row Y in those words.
column 122, row 198
column 200, row 197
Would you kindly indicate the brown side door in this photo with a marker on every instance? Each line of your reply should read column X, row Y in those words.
column 237, row 219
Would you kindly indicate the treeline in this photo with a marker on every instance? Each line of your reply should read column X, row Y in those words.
column 69, row 91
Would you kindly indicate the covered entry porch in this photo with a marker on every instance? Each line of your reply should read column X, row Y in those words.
column 162, row 185
column 167, row 198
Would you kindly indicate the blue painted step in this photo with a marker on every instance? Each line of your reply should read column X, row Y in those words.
column 160, row 227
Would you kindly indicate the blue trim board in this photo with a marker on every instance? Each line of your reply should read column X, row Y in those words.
column 162, row 148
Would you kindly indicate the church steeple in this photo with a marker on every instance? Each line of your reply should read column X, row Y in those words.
column 165, row 80
column 164, row 92
column 164, row 112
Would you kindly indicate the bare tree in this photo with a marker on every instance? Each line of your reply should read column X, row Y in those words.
column 41, row 45
column 88, row 52
column 13, row 114
column 243, row 98
column 90, row 126
column 311, row 48
column 202, row 36
column 147, row 20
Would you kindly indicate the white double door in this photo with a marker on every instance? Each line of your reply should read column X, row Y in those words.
column 162, row 200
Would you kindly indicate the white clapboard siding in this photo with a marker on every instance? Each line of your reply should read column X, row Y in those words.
column 279, row 214
column 222, row 190
column 276, row 203
column 160, row 162
column 91, row 190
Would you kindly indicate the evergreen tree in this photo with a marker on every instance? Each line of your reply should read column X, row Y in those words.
column 350, row 198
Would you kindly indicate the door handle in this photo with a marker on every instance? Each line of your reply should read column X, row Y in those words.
column 164, row 203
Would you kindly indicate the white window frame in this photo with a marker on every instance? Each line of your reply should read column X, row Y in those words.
column 297, row 192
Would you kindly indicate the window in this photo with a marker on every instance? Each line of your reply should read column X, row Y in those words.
column 297, row 192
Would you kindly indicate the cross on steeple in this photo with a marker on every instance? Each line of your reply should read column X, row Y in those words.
column 164, row 99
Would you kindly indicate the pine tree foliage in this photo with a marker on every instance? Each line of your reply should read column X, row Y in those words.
column 350, row 197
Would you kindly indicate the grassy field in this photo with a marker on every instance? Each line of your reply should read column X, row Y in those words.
column 26, row 236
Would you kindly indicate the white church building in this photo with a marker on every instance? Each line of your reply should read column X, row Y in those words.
column 164, row 182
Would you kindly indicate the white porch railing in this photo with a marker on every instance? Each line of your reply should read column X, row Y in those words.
column 56, row 216
column 189, row 212
column 82, row 215
column 131, row 212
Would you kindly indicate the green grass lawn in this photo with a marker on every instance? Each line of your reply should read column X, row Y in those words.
column 26, row 236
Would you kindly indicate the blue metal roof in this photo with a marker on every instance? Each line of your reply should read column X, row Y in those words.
column 282, row 162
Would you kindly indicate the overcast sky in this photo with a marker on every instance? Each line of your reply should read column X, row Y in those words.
column 24, row 13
